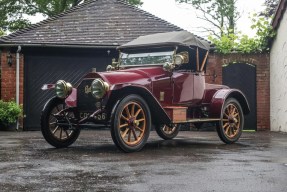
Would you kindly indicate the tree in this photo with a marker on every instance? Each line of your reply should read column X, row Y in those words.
column 221, row 14
column 12, row 11
column 269, row 11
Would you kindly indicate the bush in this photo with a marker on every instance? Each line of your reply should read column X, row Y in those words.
column 9, row 113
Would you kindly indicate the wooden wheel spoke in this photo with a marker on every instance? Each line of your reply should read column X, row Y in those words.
column 225, row 125
column 53, row 123
column 133, row 110
column 235, row 115
column 227, row 130
column 225, row 120
column 138, row 112
column 67, row 134
column 125, row 133
column 129, row 136
column 124, row 118
column 123, row 125
column 55, row 130
column 143, row 119
column 138, row 128
column 128, row 111
column 135, row 135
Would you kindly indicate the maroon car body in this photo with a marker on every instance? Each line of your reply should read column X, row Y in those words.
column 130, row 97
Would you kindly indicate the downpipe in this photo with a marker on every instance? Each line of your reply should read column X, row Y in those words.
column 17, row 80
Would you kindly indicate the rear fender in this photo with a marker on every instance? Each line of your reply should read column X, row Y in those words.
column 118, row 92
column 221, row 96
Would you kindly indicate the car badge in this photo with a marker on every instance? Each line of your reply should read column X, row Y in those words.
column 88, row 89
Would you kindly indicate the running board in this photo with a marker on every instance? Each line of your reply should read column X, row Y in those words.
column 197, row 120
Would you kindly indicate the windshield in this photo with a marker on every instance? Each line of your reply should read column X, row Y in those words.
column 146, row 58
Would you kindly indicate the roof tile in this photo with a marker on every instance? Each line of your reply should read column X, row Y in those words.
column 95, row 22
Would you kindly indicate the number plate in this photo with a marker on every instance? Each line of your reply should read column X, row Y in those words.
column 99, row 117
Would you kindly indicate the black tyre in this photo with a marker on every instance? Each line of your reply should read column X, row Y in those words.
column 57, row 128
column 230, row 127
column 167, row 132
column 131, row 123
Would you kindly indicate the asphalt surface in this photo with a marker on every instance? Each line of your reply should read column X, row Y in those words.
column 194, row 161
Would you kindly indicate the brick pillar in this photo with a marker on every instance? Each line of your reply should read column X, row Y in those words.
column 8, row 78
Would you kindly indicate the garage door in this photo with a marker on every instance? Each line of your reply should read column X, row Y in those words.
column 243, row 77
column 48, row 67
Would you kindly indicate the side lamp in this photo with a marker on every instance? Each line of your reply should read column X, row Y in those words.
column 9, row 59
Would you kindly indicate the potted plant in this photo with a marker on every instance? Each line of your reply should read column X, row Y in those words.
column 9, row 113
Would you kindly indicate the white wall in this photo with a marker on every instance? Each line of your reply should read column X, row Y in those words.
column 278, row 79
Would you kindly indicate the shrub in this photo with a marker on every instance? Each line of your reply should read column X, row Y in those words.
column 9, row 112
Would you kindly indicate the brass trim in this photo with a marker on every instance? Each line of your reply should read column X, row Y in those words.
column 161, row 96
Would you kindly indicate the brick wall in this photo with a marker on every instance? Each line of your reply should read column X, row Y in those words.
column 8, row 81
column 262, row 62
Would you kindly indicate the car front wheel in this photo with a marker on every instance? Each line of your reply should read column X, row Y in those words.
column 130, row 124
column 56, row 124
column 230, row 127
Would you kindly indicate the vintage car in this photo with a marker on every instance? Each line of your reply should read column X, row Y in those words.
column 158, row 81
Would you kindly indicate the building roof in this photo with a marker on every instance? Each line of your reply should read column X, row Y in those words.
column 174, row 38
column 279, row 14
column 96, row 23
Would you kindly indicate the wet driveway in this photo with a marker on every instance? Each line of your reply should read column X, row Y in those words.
column 194, row 161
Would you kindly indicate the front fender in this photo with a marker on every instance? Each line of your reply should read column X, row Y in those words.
column 219, row 98
column 119, row 91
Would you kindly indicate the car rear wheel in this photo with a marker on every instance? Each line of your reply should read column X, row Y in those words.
column 167, row 132
column 130, row 124
column 56, row 125
column 230, row 127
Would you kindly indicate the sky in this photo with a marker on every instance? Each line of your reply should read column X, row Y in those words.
column 185, row 17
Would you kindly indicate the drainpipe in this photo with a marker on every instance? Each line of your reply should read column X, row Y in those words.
column 17, row 78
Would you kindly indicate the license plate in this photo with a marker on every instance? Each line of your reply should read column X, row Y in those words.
column 99, row 117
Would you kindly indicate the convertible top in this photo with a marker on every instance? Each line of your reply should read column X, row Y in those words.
column 174, row 38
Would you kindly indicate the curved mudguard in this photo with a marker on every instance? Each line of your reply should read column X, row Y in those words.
column 119, row 91
column 219, row 98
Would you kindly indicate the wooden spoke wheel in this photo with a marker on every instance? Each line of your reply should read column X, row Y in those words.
column 167, row 132
column 131, row 124
column 232, row 121
column 56, row 126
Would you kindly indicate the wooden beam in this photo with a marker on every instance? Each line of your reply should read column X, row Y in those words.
column 204, row 61
column 197, row 60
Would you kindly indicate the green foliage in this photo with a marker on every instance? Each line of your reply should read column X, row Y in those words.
column 270, row 8
column 12, row 11
column 244, row 44
column 9, row 112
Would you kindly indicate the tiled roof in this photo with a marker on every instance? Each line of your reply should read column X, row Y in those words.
column 93, row 23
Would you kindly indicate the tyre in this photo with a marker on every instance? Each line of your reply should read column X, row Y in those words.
column 56, row 127
column 131, row 123
column 230, row 127
column 167, row 132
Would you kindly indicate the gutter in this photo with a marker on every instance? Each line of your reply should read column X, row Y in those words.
column 58, row 45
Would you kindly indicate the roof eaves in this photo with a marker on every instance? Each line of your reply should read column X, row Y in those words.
column 279, row 14
column 57, row 45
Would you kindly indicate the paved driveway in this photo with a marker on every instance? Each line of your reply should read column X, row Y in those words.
column 194, row 161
